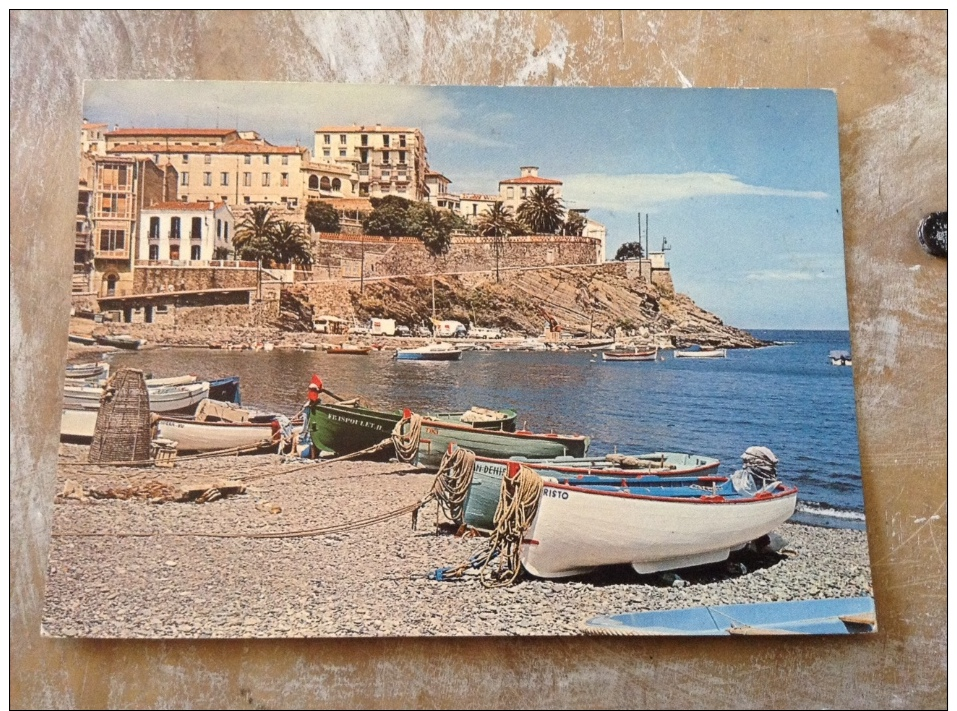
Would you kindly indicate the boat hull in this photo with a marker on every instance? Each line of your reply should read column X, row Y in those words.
column 718, row 353
column 487, row 476
column 578, row 529
column 213, row 436
column 849, row 615
column 637, row 356
column 172, row 398
column 432, row 355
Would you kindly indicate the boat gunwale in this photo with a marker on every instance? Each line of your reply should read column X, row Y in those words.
column 705, row 498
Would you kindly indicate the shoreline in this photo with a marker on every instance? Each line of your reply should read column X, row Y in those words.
column 365, row 582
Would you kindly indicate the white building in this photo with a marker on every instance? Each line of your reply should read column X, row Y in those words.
column 512, row 191
column 181, row 231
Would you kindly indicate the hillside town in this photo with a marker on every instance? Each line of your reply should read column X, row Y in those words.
column 218, row 229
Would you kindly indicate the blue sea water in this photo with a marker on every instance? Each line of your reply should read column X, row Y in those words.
column 786, row 397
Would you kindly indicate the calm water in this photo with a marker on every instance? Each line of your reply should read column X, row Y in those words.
column 789, row 398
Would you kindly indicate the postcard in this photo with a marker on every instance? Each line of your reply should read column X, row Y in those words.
column 439, row 361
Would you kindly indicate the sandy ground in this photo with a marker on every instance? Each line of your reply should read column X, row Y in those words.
column 131, row 568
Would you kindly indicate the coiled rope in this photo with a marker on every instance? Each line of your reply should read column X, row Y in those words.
column 451, row 486
column 407, row 444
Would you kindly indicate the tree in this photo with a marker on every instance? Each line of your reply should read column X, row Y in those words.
column 290, row 245
column 574, row 224
column 221, row 253
column 497, row 222
column 253, row 234
column 541, row 212
column 629, row 250
column 322, row 216
column 389, row 217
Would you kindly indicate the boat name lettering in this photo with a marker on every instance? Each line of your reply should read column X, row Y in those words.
column 489, row 469
column 356, row 421
column 554, row 493
column 431, row 430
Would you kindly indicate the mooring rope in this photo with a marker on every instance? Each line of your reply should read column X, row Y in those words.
column 407, row 444
column 452, row 482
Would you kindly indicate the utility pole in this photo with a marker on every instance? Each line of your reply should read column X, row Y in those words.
column 362, row 264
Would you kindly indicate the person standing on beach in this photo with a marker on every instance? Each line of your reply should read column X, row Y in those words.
column 313, row 393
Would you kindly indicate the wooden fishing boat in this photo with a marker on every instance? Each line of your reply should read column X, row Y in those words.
column 846, row 615
column 193, row 436
column 225, row 389
column 651, row 524
column 85, row 371
column 348, row 349
column 432, row 351
column 702, row 353
column 348, row 428
column 635, row 355
column 438, row 435
column 167, row 398
column 483, row 495
column 121, row 341
column 173, row 380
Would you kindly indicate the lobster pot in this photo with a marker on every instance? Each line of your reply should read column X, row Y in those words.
column 123, row 427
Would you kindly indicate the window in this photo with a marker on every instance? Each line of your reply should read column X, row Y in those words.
column 207, row 159
column 385, row 140
column 285, row 160
column 246, row 199
column 197, row 230
column 284, row 180
column 363, row 156
column 195, row 252
column 474, row 209
column 247, row 180
column 266, row 160
column 385, row 188
column 342, row 139
column 386, row 174
column 402, row 156
column 364, row 139
column 184, row 178
column 401, row 188
column 174, row 228
column 219, row 228
column 207, row 178
column 326, row 153
column 156, row 158
column 265, row 180
column 313, row 182
column 324, row 184
column 336, row 184
column 186, row 157
column 112, row 240
column 402, row 140
column 510, row 192
column 154, row 228
column 327, row 139
column 385, row 156
column 247, row 159
column 342, row 152
column 524, row 192
column 154, row 252
column 224, row 178
column 226, row 231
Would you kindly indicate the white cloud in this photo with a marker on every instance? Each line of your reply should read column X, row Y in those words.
column 629, row 193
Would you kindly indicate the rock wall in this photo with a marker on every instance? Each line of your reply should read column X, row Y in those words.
column 149, row 280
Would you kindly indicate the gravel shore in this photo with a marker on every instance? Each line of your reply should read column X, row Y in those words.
column 145, row 575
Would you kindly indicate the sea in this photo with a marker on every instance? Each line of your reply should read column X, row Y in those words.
column 787, row 397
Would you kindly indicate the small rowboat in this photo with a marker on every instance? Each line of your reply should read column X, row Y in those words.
column 85, row 371
column 167, row 398
column 121, row 341
column 635, row 355
column 348, row 349
column 193, row 436
column 846, row 615
column 703, row 353
column 432, row 351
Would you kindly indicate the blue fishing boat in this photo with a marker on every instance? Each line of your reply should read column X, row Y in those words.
column 850, row 615
column 225, row 389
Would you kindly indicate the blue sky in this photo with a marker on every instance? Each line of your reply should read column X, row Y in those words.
column 743, row 183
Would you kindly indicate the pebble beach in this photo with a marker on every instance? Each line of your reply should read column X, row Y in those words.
column 281, row 560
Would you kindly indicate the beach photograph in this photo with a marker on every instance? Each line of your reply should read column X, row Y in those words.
column 364, row 361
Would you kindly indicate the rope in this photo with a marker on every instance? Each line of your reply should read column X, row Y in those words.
column 453, row 481
column 407, row 445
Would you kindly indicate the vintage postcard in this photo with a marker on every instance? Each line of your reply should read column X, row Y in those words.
column 439, row 361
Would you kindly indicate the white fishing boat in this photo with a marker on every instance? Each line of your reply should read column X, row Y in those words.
column 702, row 353
column 645, row 354
column 193, row 436
column 166, row 398
column 86, row 371
column 840, row 358
column 432, row 351
column 174, row 380
column 652, row 527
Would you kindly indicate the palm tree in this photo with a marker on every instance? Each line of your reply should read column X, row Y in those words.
column 289, row 244
column 254, row 234
column 497, row 222
column 541, row 211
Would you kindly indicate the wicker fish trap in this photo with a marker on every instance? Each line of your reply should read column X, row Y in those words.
column 123, row 431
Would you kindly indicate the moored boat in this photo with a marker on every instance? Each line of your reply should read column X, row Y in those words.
column 348, row 349
column 167, row 398
column 194, row 436
column 846, row 615
column 86, row 371
column 634, row 355
column 702, row 353
column 432, row 351
column 121, row 341
column 840, row 358
column 225, row 389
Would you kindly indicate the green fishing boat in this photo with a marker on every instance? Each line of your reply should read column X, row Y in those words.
column 347, row 428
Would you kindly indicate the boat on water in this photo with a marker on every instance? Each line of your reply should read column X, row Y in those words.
column 225, row 389
column 633, row 355
column 344, row 428
column 431, row 351
column 840, row 358
column 652, row 524
column 165, row 398
column 121, row 341
column 701, row 352
column 348, row 349
column 846, row 615
column 483, row 495
column 86, row 371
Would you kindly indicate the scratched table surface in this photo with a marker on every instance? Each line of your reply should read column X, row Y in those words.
column 889, row 70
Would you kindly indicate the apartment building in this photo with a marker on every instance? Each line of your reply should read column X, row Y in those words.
column 383, row 160
column 473, row 205
column 220, row 165
column 185, row 231
column 512, row 191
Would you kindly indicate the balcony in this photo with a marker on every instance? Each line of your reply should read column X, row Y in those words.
column 112, row 254
column 174, row 236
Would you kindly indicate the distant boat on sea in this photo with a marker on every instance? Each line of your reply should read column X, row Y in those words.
column 633, row 355
column 840, row 358
column 699, row 352
column 432, row 351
